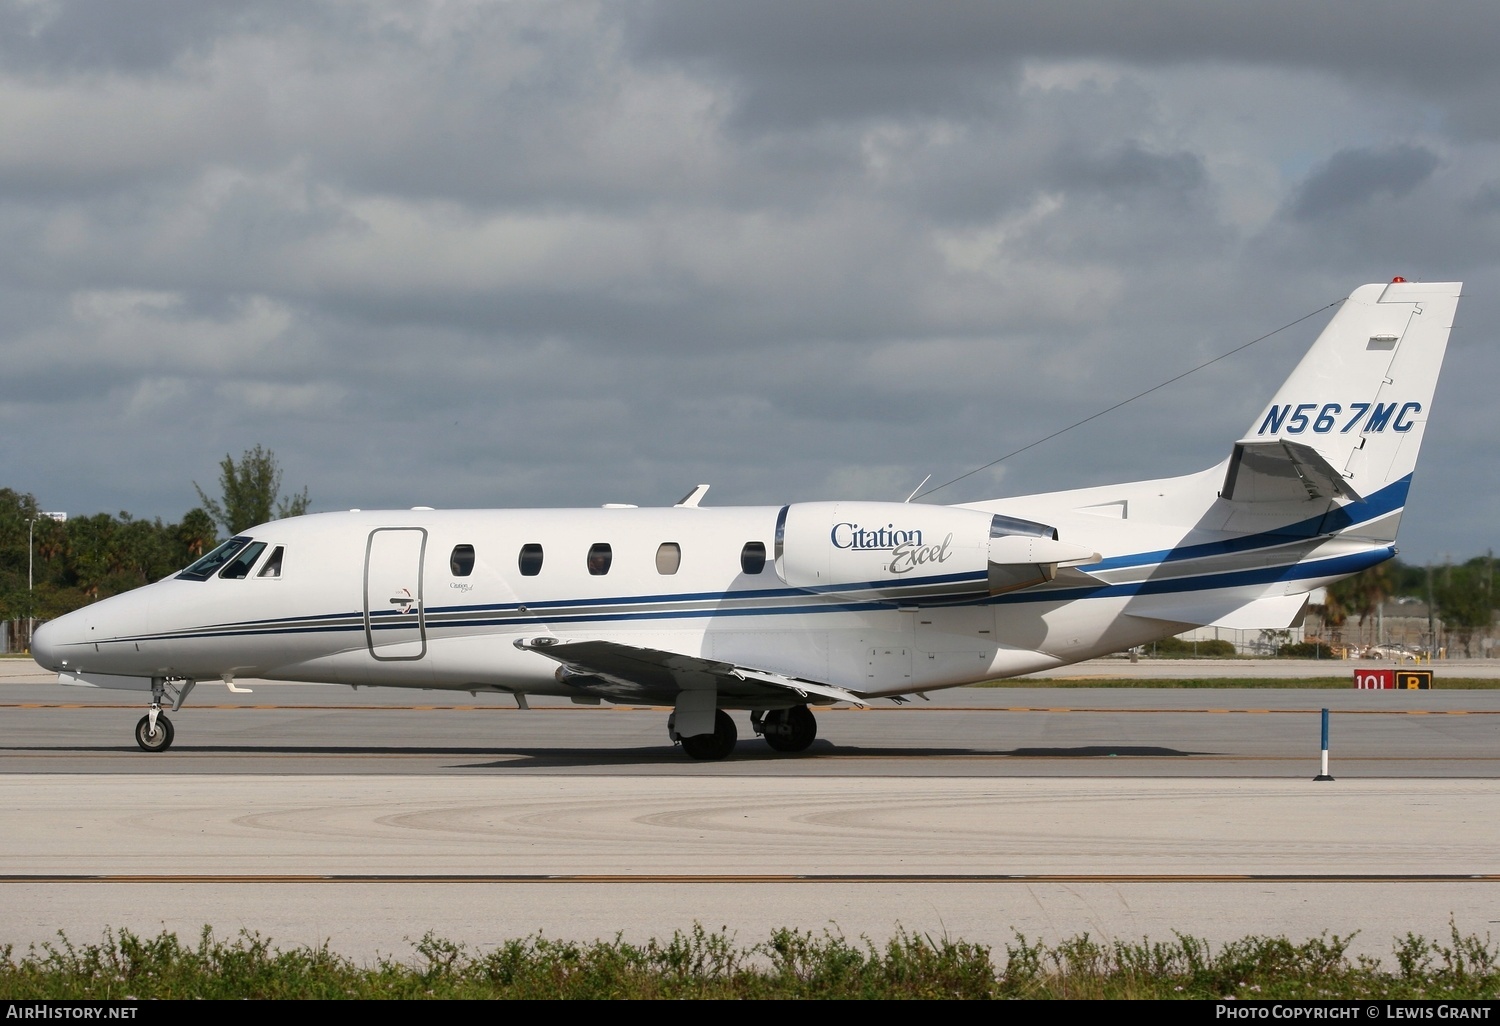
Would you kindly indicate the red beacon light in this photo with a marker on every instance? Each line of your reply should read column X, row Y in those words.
column 1398, row 280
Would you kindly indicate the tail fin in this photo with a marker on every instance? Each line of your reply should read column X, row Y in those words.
column 1348, row 422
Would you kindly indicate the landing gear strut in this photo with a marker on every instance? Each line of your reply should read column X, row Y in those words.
column 787, row 730
column 713, row 746
column 154, row 732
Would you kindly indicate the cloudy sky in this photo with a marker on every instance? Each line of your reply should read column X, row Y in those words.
column 530, row 254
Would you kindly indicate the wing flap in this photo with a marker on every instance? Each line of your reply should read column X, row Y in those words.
column 653, row 674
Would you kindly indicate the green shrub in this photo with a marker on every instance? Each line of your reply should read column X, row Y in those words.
column 1176, row 648
column 1305, row 650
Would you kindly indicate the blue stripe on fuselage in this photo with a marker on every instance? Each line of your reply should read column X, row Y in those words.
column 710, row 604
column 1387, row 500
column 1331, row 567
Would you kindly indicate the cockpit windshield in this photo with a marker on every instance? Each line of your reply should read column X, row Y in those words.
column 215, row 560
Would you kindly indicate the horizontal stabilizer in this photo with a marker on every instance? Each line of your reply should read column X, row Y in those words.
column 656, row 675
column 1275, row 612
column 1281, row 471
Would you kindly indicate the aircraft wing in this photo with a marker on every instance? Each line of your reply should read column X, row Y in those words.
column 630, row 673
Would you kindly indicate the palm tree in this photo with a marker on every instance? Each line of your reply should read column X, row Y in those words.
column 1361, row 595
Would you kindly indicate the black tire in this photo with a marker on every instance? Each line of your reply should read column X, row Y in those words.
column 792, row 730
column 158, row 742
column 715, row 746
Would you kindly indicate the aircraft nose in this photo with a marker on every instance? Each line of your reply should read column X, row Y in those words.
column 44, row 647
column 103, row 635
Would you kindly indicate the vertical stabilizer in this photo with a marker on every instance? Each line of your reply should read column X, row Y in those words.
column 1348, row 423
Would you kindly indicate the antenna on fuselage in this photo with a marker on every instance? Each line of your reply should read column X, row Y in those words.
column 692, row 498
column 918, row 488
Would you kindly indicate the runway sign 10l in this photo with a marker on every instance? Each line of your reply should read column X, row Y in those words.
column 1393, row 680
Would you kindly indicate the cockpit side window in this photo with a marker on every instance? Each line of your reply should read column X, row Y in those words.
column 238, row 568
column 272, row 569
column 211, row 563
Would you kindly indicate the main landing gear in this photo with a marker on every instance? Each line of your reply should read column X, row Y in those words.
column 786, row 730
column 713, row 746
column 709, row 747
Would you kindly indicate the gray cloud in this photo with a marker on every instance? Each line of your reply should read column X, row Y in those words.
column 1354, row 177
column 144, row 37
column 568, row 253
column 796, row 62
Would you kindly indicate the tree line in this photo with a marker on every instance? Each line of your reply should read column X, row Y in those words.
column 50, row 567
column 1460, row 595
column 70, row 564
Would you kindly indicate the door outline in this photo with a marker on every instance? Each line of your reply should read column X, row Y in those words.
column 382, row 600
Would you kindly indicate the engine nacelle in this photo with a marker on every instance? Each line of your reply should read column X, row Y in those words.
column 907, row 551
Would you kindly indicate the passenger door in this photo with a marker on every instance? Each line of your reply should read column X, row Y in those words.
column 395, row 623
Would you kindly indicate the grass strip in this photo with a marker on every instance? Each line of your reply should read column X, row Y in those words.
column 792, row 964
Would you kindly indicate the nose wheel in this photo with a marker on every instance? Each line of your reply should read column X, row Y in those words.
column 154, row 736
column 154, row 732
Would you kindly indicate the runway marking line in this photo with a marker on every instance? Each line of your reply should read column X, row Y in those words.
column 733, row 878
column 497, row 755
column 822, row 709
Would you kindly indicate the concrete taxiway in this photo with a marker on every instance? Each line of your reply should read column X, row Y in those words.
column 368, row 819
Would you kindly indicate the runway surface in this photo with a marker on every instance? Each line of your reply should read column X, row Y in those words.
column 316, row 814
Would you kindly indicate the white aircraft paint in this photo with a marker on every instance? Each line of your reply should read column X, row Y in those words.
column 771, row 609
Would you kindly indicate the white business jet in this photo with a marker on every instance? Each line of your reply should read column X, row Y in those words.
column 774, row 609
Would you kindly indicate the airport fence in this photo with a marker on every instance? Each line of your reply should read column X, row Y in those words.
column 15, row 635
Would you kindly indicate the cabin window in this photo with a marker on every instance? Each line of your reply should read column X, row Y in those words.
column 668, row 558
column 461, row 562
column 238, row 568
column 209, row 564
column 753, row 557
column 600, row 556
column 272, row 569
column 531, row 560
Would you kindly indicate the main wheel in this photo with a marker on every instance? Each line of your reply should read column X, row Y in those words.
column 791, row 730
column 157, row 742
column 716, row 745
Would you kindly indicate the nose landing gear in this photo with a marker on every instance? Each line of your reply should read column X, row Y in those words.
column 154, row 732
